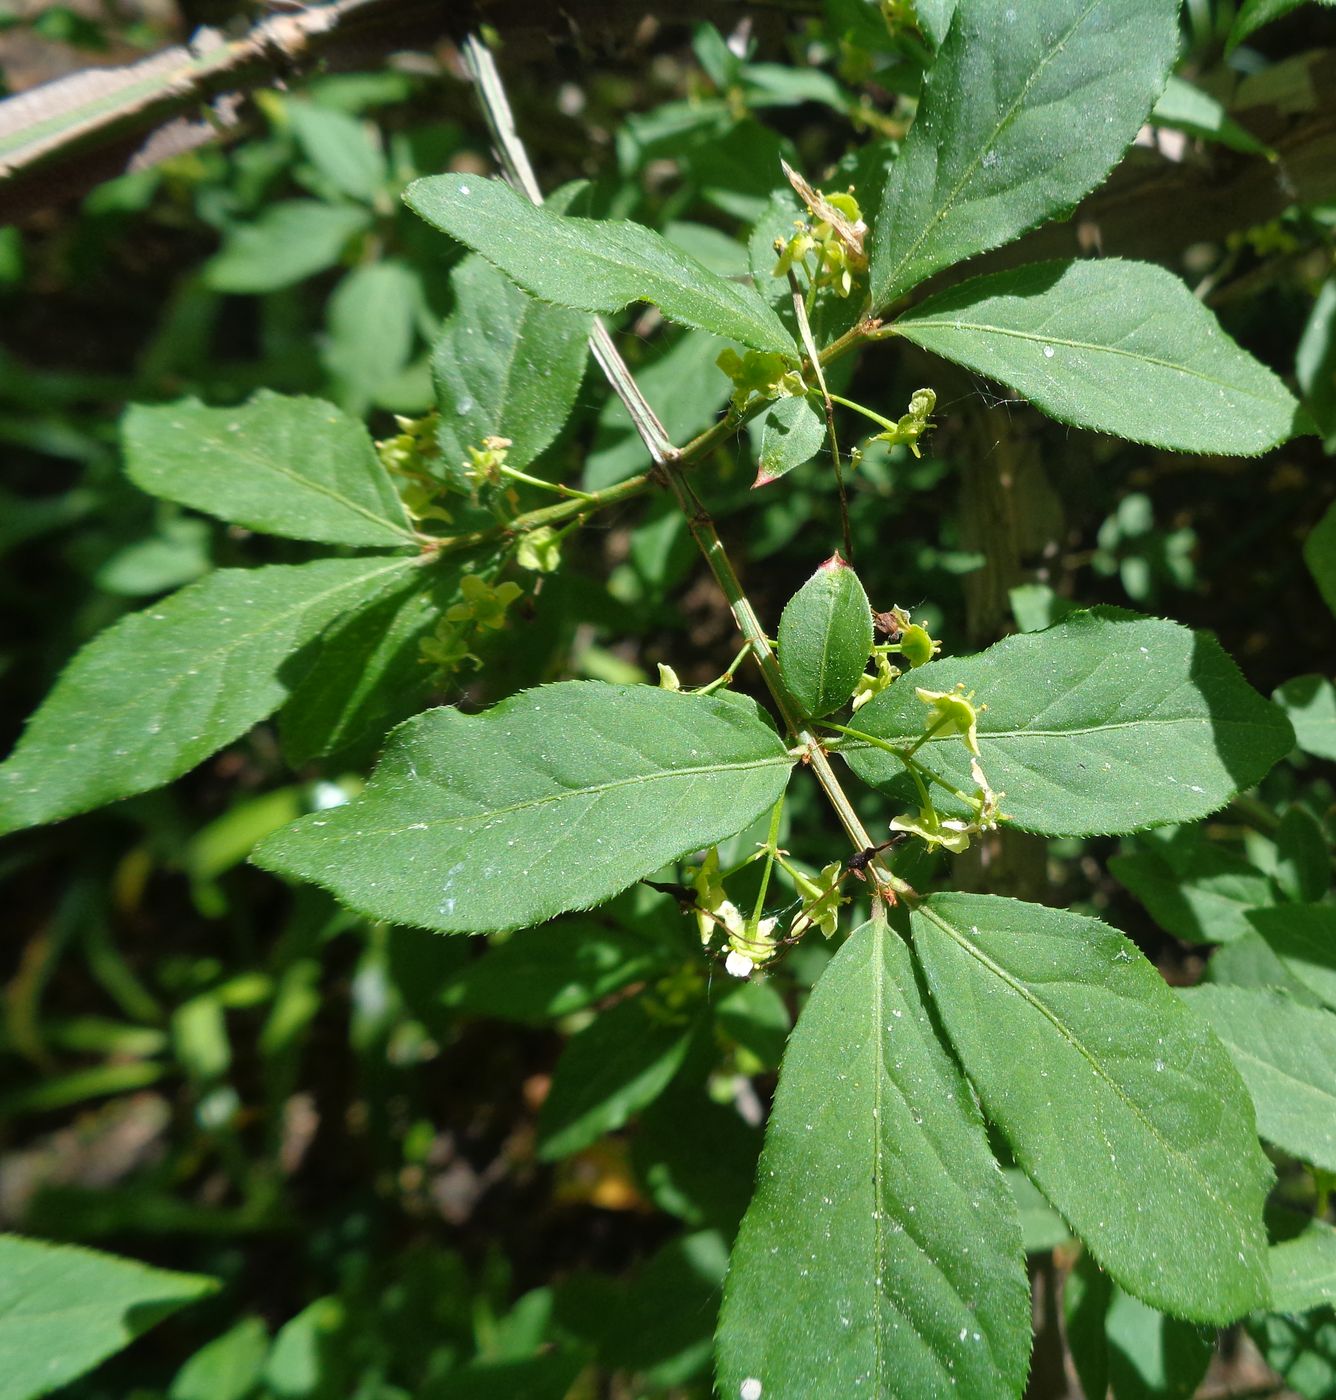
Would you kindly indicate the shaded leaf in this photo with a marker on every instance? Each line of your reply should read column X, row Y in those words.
column 540, row 974
column 621, row 1061
column 365, row 672
column 1303, row 937
column 1256, row 13
column 505, row 365
column 1320, row 556
column 1193, row 888
column 289, row 242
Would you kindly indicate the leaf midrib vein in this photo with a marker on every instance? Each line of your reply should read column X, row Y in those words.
column 229, row 448
column 909, row 325
column 596, row 790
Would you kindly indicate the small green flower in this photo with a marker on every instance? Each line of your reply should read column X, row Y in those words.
column 540, row 550
column 484, row 465
column 868, row 686
column 483, row 604
column 822, row 901
column 668, row 678
column 950, row 833
column 912, row 426
column 951, row 710
column 760, row 373
column 447, row 649
column 917, row 646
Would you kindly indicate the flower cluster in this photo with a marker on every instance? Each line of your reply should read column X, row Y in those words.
column 953, row 713
column 833, row 240
column 760, row 374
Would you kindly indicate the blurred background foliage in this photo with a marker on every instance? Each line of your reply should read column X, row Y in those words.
column 205, row 1070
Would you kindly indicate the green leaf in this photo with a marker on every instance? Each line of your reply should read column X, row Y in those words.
column 372, row 318
column 228, row 1368
column 1250, row 962
column 1027, row 108
column 792, row 432
column 621, row 1061
column 658, row 1324
column 1104, row 723
column 62, row 1310
column 825, row 638
column 1116, row 1100
column 753, row 1013
column 1303, row 936
column 881, row 1254
column 593, row 265
column 1315, row 364
column 1042, row 1228
column 1187, row 108
column 505, row 366
column 696, row 1158
column 934, row 18
column 286, row 466
column 289, row 242
column 1310, row 704
column 1086, row 1294
column 546, row 1377
column 1118, row 1340
column 1303, row 860
column 1320, row 556
column 162, row 689
column 1302, row 1349
column 540, row 974
column 1192, row 888
column 365, row 672
column 1256, row 13
column 341, row 148
column 553, row 800
column 1284, row 1053
column 1120, row 347
column 1303, row 1270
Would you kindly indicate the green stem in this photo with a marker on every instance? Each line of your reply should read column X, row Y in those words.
column 514, row 474
column 668, row 462
column 866, row 412
column 711, row 547
column 720, row 681
column 771, row 850
column 916, row 770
